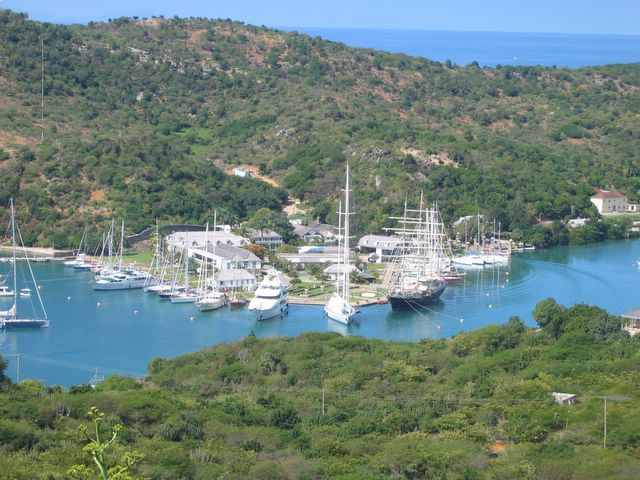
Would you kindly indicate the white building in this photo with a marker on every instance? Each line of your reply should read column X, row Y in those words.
column 242, row 172
column 197, row 239
column 266, row 238
column 228, row 257
column 381, row 245
column 236, row 279
column 610, row 202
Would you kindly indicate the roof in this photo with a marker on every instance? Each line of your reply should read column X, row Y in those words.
column 321, row 228
column 339, row 268
column 563, row 397
column 234, row 274
column 633, row 314
column 197, row 239
column 606, row 194
column 377, row 241
column 229, row 252
column 264, row 233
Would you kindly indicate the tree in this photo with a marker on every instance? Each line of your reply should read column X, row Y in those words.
column 267, row 219
column 551, row 316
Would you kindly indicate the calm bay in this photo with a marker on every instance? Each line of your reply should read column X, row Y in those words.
column 120, row 332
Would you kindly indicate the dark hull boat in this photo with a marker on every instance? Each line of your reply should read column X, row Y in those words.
column 424, row 295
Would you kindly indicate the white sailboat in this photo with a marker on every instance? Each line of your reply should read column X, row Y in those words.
column 119, row 278
column 338, row 307
column 11, row 317
column 209, row 297
column 186, row 294
column 80, row 255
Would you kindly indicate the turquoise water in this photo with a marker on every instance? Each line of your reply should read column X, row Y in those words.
column 493, row 48
column 129, row 328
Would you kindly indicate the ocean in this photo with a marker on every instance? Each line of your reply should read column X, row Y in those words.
column 492, row 48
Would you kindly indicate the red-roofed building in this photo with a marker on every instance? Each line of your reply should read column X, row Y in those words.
column 610, row 202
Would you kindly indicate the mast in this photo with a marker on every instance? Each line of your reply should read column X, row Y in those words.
column 13, row 245
column 215, row 227
column 345, row 250
column 121, row 246
column 340, row 246
column 202, row 278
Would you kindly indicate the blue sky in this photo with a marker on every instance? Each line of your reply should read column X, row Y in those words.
column 563, row 16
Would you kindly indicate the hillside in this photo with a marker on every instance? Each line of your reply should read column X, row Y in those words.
column 473, row 407
column 141, row 117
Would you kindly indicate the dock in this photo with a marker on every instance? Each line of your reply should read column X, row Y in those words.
column 364, row 302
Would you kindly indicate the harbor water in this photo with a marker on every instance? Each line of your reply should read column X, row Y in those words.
column 121, row 331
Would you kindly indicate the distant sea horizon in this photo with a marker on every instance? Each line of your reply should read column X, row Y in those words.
column 489, row 49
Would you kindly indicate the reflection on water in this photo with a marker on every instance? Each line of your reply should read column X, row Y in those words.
column 120, row 332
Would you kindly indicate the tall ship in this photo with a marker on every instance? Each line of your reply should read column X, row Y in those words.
column 338, row 307
column 415, row 276
column 12, row 317
column 271, row 297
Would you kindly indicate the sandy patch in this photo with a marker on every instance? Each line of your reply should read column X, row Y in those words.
column 422, row 158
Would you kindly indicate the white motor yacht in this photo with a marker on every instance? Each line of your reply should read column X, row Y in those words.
column 270, row 298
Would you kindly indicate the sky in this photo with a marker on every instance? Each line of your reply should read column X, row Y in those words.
column 558, row 16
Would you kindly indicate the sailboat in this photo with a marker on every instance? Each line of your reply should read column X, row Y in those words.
column 209, row 297
column 79, row 253
column 338, row 307
column 12, row 318
column 119, row 278
column 414, row 276
column 186, row 294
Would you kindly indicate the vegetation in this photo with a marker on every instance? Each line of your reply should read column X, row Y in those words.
column 143, row 115
column 476, row 406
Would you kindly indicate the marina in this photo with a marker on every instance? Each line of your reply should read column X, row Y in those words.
column 120, row 332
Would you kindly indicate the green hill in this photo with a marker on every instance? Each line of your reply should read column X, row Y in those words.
column 141, row 116
column 476, row 406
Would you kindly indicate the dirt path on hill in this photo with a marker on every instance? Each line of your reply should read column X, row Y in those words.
column 292, row 205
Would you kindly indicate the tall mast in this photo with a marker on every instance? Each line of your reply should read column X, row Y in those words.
column 345, row 252
column 340, row 246
column 13, row 244
column 121, row 245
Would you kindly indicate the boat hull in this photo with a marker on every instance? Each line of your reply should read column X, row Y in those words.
column 23, row 323
column 279, row 308
column 410, row 301
column 338, row 310
column 207, row 306
column 183, row 299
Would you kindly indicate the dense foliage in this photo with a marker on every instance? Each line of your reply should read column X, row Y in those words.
column 475, row 406
column 141, row 115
